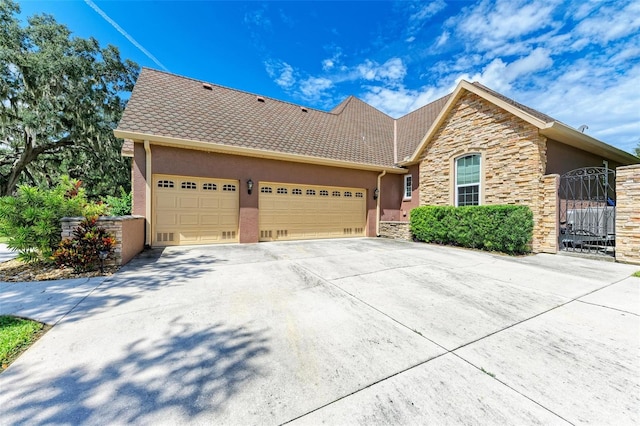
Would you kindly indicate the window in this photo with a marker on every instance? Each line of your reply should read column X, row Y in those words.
column 311, row 192
column 282, row 190
column 324, row 193
column 189, row 185
column 165, row 184
column 407, row 187
column 335, row 194
column 209, row 187
column 359, row 195
column 230, row 188
column 468, row 180
column 266, row 190
column 296, row 191
column 348, row 194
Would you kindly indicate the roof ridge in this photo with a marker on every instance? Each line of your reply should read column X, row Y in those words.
column 525, row 108
column 234, row 89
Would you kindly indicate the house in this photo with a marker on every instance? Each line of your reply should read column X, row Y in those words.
column 215, row 165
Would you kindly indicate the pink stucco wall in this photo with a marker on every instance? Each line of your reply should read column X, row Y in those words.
column 185, row 162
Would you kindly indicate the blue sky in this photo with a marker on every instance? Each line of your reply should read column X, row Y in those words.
column 578, row 61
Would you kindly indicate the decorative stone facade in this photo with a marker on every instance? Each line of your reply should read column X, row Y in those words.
column 395, row 230
column 128, row 232
column 548, row 230
column 628, row 214
column 513, row 160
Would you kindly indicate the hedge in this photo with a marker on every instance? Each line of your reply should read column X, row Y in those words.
column 504, row 228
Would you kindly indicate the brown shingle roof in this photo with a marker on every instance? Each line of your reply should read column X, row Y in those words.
column 414, row 126
column 167, row 105
column 530, row 111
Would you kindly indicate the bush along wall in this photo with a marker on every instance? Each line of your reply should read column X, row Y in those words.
column 504, row 228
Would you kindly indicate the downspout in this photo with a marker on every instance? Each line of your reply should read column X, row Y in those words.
column 147, row 193
column 378, row 203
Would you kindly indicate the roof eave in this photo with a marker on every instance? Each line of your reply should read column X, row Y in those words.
column 570, row 136
column 251, row 152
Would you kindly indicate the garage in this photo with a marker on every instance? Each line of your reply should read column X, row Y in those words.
column 189, row 210
column 298, row 212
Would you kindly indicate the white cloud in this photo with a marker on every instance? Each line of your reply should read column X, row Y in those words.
column 499, row 75
column 281, row 72
column 611, row 23
column 492, row 25
column 425, row 11
column 399, row 101
column 391, row 71
column 314, row 87
column 444, row 37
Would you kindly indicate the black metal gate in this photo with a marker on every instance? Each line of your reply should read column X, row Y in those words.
column 587, row 211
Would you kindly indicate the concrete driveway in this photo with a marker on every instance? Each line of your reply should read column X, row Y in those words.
column 360, row 331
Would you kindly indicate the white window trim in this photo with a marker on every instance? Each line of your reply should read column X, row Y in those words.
column 455, row 178
column 404, row 188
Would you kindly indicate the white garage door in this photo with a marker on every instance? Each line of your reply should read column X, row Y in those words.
column 189, row 210
column 298, row 212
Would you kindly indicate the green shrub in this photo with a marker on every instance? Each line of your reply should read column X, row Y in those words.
column 119, row 206
column 503, row 228
column 31, row 219
column 81, row 251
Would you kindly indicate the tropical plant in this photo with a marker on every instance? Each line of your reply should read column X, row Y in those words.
column 60, row 99
column 119, row 206
column 31, row 219
column 82, row 251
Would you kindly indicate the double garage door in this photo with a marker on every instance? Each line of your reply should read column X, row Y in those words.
column 189, row 210
column 299, row 212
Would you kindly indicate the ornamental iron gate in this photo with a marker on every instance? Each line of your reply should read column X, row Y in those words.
column 587, row 211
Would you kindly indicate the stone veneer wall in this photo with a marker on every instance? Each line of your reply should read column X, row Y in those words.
column 395, row 230
column 548, row 229
column 513, row 159
column 628, row 214
column 128, row 231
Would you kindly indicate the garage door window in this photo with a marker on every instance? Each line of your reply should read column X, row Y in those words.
column 189, row 185
column 324, row 193
column 296, row 191
column 209, row 187
column 165, row 184
column 335, row 193
column 266, row 190
column 348, row 194
column 359, row 195
column 282, row 190
column 311, row 192
column 230, row 188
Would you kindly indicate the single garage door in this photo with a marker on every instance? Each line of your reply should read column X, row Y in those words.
column 297, row 212
column 190, row 210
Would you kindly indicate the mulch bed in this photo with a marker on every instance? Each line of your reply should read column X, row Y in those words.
column 18, row 271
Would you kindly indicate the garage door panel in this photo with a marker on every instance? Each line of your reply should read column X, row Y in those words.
column 188, row 219
column 310, row 212
column 189, row 202
column 194, row 210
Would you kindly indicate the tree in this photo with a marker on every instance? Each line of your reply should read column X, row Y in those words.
column 637, row 150
column 60, row 99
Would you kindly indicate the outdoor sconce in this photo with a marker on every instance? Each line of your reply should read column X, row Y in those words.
column 376, row 193
column 249, row 186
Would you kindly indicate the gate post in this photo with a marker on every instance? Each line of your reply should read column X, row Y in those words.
column 549, row 215
column 628, row 214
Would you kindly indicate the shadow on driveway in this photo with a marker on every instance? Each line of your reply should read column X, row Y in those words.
column 189, row 371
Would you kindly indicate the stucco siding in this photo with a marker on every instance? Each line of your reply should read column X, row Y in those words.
column 186, row 162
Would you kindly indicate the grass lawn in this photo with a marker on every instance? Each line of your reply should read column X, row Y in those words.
column 16, row 335
column 636, row 274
